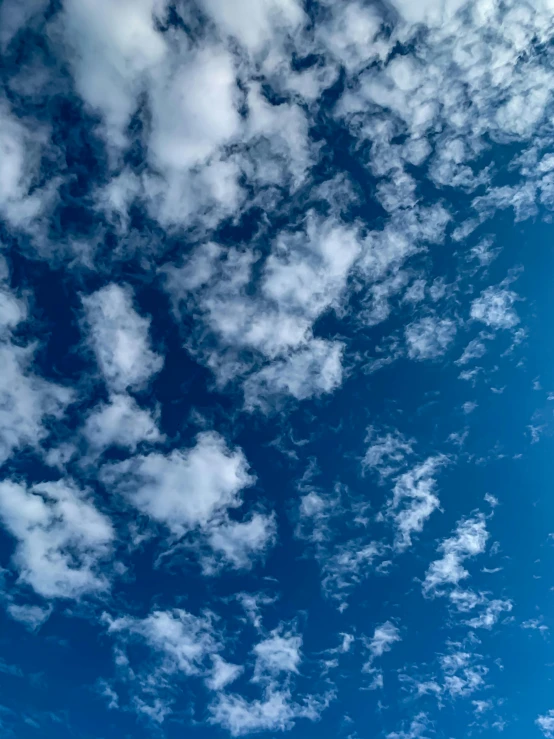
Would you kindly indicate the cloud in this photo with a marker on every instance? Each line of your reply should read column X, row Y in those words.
column 183, row 489
column 468, row 541
column 279, row 653
column 420, row 725
column 494, row 308
column 429, row 337
column 222, row 674
column 254, row 23
column 490, row 615
column 121, row 422
column 62, row 539
column 31, row 616
column 240, row 542
column 313, row 371
column 119, row 336
column 113, row 48
column 546, row 724
column 383, row 638
column 304, row 275
column 414, row 500
column 27, row 401
column 387, row 452
column 345, row 558
column 180, row 641
column 21, row 201
column 277, row 711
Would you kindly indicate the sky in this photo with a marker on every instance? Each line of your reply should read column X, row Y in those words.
column 276, row 369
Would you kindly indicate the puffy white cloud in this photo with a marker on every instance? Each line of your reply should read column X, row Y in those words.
column 419, row 726
column 469, row 540
column 494, row 308
column 279, row 653
column 183, row 489
column 255, row 22
column 384, row 636
column 414, row 500
column 195, row 109
column 62, row 539
column 222, row 673
column 120, row 422
column 239, row 542
column 429, row 337
column 305, row 274
column 119, row 336
column 180, row 641
column 27, row 401
column 277, row 711
column 113, row 47
column 490, row 615
column 314, row 370
column 20, row 203
column 546, row 724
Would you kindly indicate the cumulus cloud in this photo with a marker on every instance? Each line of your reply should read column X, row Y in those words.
column 279, row 653
column 28, row 401
column 21, row 201
column 468, row 541
column 119, row 336
column 62, row 539
column 429, row 337
column 414, row 500
column 546, row 724
column 180, row 640
column 494, row 308
column 277, row 711
column 239, row 543
column 383, row 639
column 183, row 489
column 120, row 422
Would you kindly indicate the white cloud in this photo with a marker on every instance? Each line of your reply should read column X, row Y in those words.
column 462, row 673
column 120, row 338
column 420, row 725
column 277, row 711
column 279, row 653
column 27, row 400
column 113, row 47
column 384, row 636
column 305, row 275
column 429, row 337
column 546, row 724
column 121, row 422
column 62, row 539
column 240, row 542
column 490, row 615
column 195, row 109
column 414, row 500
column 20, row 150
column 222, row 673
column 255, row 22
column 183, row 489
column 315, row 370
column 31, row 616
column 387, row 452
column 179, row 640
column 494, row 308
column 469, row 540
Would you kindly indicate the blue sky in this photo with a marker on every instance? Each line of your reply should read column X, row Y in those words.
column 276, row 369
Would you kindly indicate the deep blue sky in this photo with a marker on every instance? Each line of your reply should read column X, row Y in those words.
column 276, row 369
